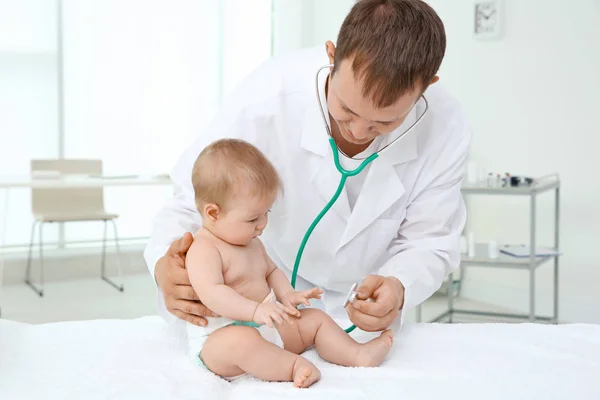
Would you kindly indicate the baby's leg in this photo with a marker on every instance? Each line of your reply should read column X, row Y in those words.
column 235, row 350
column 334, row 345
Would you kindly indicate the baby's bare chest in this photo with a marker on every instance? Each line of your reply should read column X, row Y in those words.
column 245, row 270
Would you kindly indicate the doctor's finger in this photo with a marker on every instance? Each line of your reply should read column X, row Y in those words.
column 185, row 292
column 194, row 308
column 377, row 308
column 368, row 286
column 363, row 321
column 180, row 246
column 192, row 319
column 179, row 276
column 370, row 323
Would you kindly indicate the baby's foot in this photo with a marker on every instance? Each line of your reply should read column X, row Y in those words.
column 372, row 354
column 305, row 373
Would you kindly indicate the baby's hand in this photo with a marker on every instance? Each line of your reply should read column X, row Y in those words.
column 274, row 313
column 294, row 298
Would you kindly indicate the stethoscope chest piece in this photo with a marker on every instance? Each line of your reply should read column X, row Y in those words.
column 351, row 296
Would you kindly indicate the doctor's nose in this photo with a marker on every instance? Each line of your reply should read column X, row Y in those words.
column 360, row 129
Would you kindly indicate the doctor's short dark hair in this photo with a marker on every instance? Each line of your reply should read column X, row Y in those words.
column 232, row 167
column 395, row 46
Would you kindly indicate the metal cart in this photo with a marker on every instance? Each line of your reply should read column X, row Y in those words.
column 481, row 259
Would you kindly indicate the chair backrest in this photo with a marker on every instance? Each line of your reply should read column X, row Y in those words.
column 69, row 200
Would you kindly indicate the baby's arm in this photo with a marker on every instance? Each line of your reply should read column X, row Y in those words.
column 282, row 288
column 205, row 269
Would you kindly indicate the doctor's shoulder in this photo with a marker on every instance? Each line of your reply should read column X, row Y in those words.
column 280, row 74
column 290, row 74
column 448, row 121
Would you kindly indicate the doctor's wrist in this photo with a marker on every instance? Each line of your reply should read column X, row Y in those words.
column 399, row 290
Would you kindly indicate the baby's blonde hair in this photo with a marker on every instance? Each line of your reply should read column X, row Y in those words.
column 226, row 167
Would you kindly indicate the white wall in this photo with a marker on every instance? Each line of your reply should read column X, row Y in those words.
column 307, row 23
column 327, row 19
column 28, row 101
column 533, row 100
column 292, row 25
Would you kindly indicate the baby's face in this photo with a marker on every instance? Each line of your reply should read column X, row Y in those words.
column 245, row 219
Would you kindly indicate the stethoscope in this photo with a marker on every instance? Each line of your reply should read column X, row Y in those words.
column 345, row 173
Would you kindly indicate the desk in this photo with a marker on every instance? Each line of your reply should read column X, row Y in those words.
column 8, row 182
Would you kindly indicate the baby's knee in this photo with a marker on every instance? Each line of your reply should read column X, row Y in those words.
column 314, row 314
column 312, row 319
column 234, row 338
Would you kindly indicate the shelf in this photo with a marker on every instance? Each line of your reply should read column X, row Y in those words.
column 540, row 185
column 449, row 316
column 483, row 188
column 482, row 259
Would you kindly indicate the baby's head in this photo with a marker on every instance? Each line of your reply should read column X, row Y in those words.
column 235, row 185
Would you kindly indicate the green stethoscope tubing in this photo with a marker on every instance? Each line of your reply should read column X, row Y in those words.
column 344, row 175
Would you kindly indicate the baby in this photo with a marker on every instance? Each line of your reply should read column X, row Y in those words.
column 259, row 330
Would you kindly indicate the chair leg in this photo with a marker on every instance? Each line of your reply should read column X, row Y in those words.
column 103, row 262
column 28, row 270
column 120, row 272
column 40, row 290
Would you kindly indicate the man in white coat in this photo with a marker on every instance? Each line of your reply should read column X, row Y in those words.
column 396, row 226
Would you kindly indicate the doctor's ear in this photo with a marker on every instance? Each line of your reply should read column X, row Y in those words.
column 330, row 49
column 212, row 211
column 434, row 80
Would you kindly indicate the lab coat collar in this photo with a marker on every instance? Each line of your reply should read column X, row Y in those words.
column 314, row 134
column 383, row 186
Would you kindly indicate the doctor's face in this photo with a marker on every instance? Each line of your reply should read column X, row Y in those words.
column 356, row 117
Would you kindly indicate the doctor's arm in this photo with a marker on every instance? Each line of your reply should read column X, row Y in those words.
column 427, row 247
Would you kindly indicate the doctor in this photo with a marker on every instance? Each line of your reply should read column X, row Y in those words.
column 396, row 225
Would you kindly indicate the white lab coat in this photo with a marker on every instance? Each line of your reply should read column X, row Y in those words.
column 408, row 215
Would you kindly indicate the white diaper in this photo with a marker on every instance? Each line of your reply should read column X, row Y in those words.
column 197, row 335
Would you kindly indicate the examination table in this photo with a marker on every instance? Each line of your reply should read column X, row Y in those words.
column 143, row 359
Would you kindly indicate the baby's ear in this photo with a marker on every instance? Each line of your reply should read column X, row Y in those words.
column 212, row 211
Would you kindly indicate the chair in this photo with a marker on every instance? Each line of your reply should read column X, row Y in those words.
column 62, row 205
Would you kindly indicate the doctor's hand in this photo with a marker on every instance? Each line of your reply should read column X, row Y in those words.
column 172, row 278
column 387, row 298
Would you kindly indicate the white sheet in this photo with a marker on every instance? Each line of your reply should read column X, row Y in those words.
column 141, row 359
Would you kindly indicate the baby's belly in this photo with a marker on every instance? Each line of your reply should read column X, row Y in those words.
column 253, row 290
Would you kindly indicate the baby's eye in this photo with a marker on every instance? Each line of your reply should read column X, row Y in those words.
column 253, row 220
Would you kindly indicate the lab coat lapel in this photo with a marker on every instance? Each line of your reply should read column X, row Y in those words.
column 383, row 186
column 325, row 178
